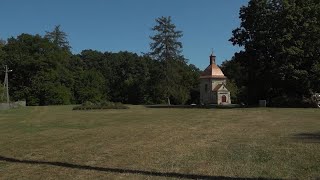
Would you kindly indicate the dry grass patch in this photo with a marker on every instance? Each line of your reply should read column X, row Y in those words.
column 142, row 143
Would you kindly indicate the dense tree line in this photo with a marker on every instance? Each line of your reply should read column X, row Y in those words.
column 281, row 57
column 280, row 62
column 45, row 72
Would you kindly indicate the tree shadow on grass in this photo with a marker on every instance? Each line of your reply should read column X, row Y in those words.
column 121, row 171
column 308, row 137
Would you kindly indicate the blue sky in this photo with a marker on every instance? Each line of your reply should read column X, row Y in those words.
column 119, row 25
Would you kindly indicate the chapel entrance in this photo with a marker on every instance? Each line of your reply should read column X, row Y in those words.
column 224, row 99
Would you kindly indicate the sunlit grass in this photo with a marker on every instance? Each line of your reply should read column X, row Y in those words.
column 243, row 143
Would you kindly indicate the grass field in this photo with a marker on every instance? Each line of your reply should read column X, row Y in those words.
column 139, row 143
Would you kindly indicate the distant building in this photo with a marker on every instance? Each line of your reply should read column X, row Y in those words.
column 213, row 85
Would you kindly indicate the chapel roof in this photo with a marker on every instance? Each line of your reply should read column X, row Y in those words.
column 212, row 71
column 217, row 88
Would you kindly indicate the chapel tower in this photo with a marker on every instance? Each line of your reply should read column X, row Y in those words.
column 213, row 85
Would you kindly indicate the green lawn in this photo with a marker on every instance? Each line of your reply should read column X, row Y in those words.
column 140, row 143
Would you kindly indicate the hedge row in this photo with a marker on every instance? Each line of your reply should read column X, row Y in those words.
column 104, row 105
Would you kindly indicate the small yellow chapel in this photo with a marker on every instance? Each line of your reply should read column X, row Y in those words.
column 213, row 88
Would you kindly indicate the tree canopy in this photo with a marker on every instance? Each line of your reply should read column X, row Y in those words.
column 45, row 72
column 281, row 56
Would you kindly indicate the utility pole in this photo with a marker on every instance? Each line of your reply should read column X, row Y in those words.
column 6, row 83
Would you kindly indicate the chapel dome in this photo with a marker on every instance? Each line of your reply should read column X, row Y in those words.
column 212, row 71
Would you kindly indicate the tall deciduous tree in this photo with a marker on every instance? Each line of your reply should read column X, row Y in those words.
column 39, row 70
column 58, row 37
column 89, row 86
column 281, row 40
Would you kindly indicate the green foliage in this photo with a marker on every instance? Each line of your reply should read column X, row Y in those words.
column 2, row 43
column 46, row 73
column 165, row 43
column 234, row 91
column 236, row 78
column 47, row 90
column 2, row 58
column 130, row 78
column 183, row 80
column 39, row 73
column 102, row 105
column 89, row 86
column 58, row 37
column 281, row 58
column 175, row 80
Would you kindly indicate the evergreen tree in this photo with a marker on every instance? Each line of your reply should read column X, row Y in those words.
column 165, row 43
column 166, row 48
column 58, row 37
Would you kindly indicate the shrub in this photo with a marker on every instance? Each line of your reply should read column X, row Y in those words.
column 101, row 105
column 285, row 101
